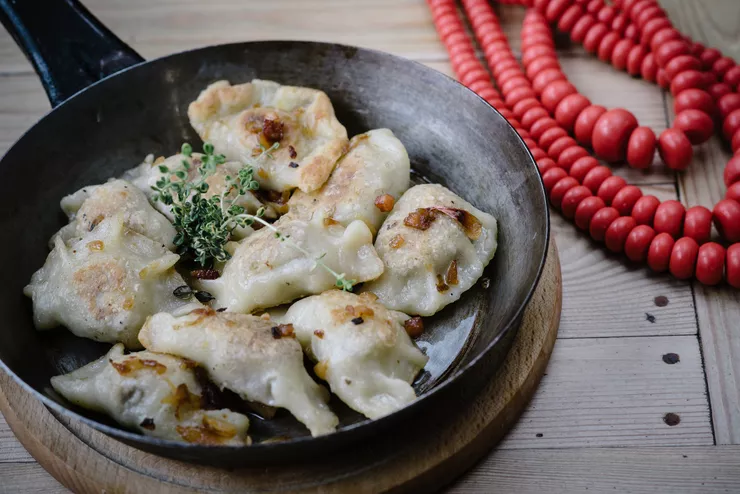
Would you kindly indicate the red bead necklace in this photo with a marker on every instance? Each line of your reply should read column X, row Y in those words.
column 553, row 118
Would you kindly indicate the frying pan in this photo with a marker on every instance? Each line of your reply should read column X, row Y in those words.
column 111, row 108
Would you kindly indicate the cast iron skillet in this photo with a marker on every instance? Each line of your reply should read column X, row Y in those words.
column 111, row 109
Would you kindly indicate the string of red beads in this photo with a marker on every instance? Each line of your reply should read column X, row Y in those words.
column 617, row 214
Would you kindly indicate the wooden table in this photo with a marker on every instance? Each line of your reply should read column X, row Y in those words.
column 597, row 423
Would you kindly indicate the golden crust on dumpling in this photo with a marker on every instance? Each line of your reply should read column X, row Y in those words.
column 245, row 120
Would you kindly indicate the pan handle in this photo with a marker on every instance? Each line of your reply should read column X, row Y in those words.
column 69, row 48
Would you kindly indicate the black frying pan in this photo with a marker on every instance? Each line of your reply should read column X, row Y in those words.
column 111, row 109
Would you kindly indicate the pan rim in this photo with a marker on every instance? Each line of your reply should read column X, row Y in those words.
column 449, row 380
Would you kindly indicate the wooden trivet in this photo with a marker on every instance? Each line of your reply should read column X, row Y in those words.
column 87, row 461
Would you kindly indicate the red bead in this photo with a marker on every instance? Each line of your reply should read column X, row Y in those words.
column 537, row 39
column 554, row 94
column 550, row 136
column 560, row 145
column 533, row 115
column 511, row 73
column 611, row 134
column 688, row 79
column 569, row 108
column 610, row 187
column 664, row 36
column 732, row 76
column 551, row 177
column 651, row 28
column 620, row 23
column 670, row 50
column 544, row 78
column 596, row 177
column 585, row 122
column 675, row 149
column 503, row 66
column 641, row 147
column 647, row 15
column 709, row 79
column 649, row 69
column 669, row 218
column 727, row 104
column 732, row 266
column 560, row 188
column 582, row 27
column 644, row 210
column 697, row 224
column 735, row 142
column 518, row 94
column 732, row 171
column 572, row 199
column 697, row 125
column 556, row 8
column 541, row 126
column 586, row 209
column 522, row 133
column 631, row 32
column 621, row 52
column 709, row 56
column 616, row 235
column 661, row 79
column 594, row 6
column 694, row 99
column 659, row 253
column 513, row 83
column 541, row 63
column 569, row 18
column 600, row 223
column 528, row 141
column 710, row 263
column 594, row 37
column 637, row 9
column 721, row 66
column 606, row 15
column 726, row 217
column 731, row 124
column 606, row 46
column 538, row 153
column 506, row 113
column 624, row 200
column 638, row 242
column 683, row 258
column 634, row 59
column 567, row 158
column 536, row 51
column 718, row 90
column 733, row 191
column 523, row 106
column 582, row 166
column 545, row 164
column 697, row 49
column 681, row 63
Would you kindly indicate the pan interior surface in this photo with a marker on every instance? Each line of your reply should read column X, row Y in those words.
column 452, row 137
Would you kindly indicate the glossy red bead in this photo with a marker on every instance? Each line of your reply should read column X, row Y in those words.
column 659, row 253
column 554, row 93
column 670, row 50
column 649, row 69
column 631, row 32
column 572, row 199
column 625, row 199
column 600, row 223
column 569, row 18
column 721, row 66
column 606, row 14
column 681, row 63
column 584, row 125
column 733, row 191
column 541, row 126
column 732, row 266
column 732, row 171
column 697, row 224
column 541, row 63
column 735, row 142
column 606, row 46
column 710, row 263
column 596, row 177
column 550, row 136
column 661, row 79
column 683, row 258
column 728, row 103
column 610, row 187
column 544, row 78
column 638, row 242
column 732, row 76
column 731, row 124
column 616, row 235
column 560, row 188
column 594, row 37
column 621, row 52
column 649, row 14
column 569, row 156
column 560, row 145
column 641, row 147
column 538, row 153
column 582, row 27
column 518, row 94
column 709, row 56
column 651, row 28
column 569, row 108
column 545, row 164
column 675, row 149
column 726, row 216
column 523, row 106
column 694, row 99
column 611, row 134
column 585, row 211
column 644, row 210
column 686, row 80
column 697, row 125
column 533, row 52
column 669, row 218
column 582, row 166
column 634, row 59
column 556, row 8
column 718, row 90
column 551, row 177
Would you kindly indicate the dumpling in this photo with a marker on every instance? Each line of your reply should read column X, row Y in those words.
column 145, row 176
column 250, row 356
column 245, row 120
column 362, row 349
column 364, row 185
column 435, row 246
column 90, row 205
column 157, row 395
column 266, row 271
column 104, row 285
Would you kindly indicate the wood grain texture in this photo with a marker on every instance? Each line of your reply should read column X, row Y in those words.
column 28, row 478
column 10, row 449
column 85, row 460
column 700, row 470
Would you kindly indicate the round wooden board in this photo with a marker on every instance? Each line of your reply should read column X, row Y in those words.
column 88, row 461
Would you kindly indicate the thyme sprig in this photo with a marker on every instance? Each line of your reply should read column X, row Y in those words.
column 205, row 224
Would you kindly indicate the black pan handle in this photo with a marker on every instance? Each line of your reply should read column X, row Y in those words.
column 69, row 48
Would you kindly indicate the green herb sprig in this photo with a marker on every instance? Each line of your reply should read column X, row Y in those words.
column 205, row 224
